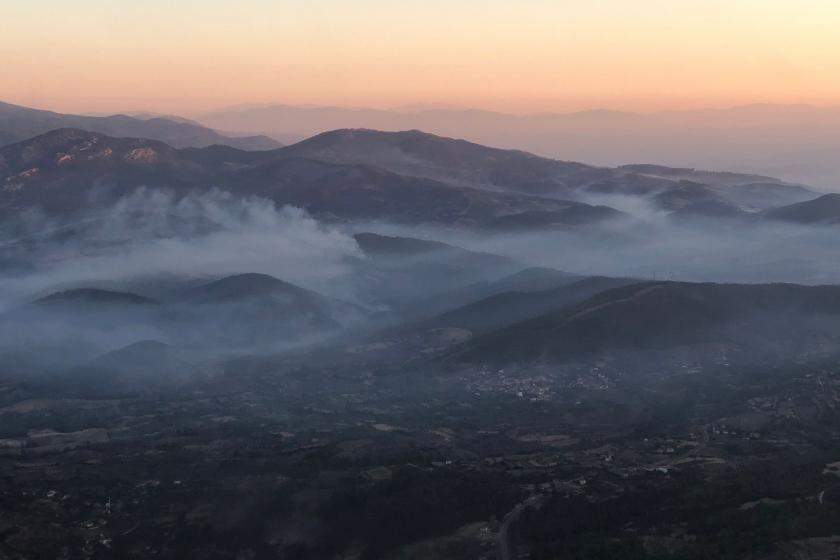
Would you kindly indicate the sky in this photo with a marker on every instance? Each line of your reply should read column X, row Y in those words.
column 188, row 56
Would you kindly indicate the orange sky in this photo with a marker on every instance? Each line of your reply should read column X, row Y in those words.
column 186, row 56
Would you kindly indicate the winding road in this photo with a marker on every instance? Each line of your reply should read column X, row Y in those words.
column 503, row 545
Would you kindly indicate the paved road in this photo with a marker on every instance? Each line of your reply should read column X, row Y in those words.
column 503, row 545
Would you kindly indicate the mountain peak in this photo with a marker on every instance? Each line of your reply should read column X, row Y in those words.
column 249, row 284
column 370, row 135
column 374, row 244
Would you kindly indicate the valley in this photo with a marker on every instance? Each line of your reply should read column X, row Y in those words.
column 419, row 280
column 398, row 345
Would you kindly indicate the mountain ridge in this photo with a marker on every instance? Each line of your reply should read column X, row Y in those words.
column 18, row 123
column 40, row 171
column 360, row 175
column 766, row 139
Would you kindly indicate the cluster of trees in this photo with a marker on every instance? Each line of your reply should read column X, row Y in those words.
column 415, row 504
column 577, row 528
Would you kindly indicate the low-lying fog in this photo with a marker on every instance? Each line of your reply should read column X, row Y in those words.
column 176, row 275
column 151, row 239
column 663, row 247
column 150, row 242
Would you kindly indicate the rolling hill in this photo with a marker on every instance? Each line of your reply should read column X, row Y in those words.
column 505, row 308
column 246, row 311
column 532, row 279
column 397, row 272
column 256, row 311
column 824, row 210
column 663, row 315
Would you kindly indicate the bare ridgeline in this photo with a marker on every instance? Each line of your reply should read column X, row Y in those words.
column 396, row 345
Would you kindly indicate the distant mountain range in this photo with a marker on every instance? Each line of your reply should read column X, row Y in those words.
column 795, row 142
column 408, row 177
column 20, row 123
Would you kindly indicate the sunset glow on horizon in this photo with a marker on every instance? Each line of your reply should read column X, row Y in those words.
column 530, row 56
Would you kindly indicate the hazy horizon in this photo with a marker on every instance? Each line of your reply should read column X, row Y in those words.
column 542, row 57
column 376, row 280
column 794, row 142
column 560, row 107
column 417, row 106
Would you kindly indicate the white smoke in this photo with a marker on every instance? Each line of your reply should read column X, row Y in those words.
column 152, row 233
